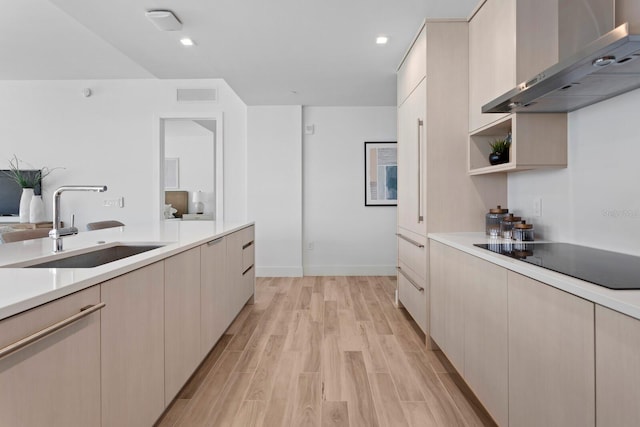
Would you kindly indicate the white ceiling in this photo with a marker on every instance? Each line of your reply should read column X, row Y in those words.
column 308, row 52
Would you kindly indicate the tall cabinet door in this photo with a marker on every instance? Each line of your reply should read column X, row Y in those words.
column 411, row 161
column 181, row 319
column 214, row 288
column 132, row 350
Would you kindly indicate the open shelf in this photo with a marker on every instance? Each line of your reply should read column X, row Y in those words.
column 537, row 141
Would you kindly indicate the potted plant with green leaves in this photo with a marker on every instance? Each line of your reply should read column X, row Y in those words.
column 500, row 150
column 31, row 205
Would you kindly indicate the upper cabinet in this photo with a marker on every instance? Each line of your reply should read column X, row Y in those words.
column 414, row 67
column 509, row 42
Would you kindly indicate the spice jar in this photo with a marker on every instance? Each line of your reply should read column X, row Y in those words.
column 523, row 232
column 493, row 219
column 506, row 225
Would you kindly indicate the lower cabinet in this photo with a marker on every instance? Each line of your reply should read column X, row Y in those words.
column 412, row 295
column 526, row 349
column 551, row 356
column 132, row 335
column 412, row 274
column 54, row 381
column 213, row 293
column 240, row 269
column 123, row 367
column 617, row 369
column 486, row 357
column 469, row 323
column 447, row 302
column 181, row 320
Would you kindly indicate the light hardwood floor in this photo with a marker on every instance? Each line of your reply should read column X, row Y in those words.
column 324, row 351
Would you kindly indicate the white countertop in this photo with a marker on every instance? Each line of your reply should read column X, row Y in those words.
column 627, row 302
column 25, row 288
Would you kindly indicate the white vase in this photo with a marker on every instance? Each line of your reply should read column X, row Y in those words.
column 25, row 204
column 36, row 210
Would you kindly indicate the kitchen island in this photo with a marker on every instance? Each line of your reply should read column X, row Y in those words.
column 134, row 329
column 536, row 347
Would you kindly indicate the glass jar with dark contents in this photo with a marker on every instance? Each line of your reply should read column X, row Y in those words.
column 506, row 225
column 493, row 219
column 523, row 232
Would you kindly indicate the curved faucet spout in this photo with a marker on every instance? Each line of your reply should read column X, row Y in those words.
column 57, row 233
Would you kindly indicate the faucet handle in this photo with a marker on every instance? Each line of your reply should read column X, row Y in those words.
column 57, row 233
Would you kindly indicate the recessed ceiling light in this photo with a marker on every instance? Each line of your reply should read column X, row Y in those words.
column 382, row 39
column 187, row 41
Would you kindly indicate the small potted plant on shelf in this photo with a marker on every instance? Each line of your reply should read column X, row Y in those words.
column 500, row 150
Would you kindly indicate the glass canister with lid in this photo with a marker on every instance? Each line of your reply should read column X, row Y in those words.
column 506, row 225
column 523, row 232
column 493, row 219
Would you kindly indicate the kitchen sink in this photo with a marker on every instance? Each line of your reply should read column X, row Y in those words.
column 97, row 257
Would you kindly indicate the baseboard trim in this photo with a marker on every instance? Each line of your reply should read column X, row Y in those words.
column 349, row 270
column 279, row 271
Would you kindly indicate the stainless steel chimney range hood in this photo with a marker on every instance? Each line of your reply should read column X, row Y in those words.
column 607, row 67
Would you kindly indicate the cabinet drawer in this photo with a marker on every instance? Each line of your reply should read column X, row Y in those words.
column 412, row 294
column 248, row 256
column 54, row 381
column 412, row 253
column 413, row 68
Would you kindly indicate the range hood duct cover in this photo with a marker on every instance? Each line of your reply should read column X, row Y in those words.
column 607, row 67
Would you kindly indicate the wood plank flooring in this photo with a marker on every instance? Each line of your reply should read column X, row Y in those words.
column 325, row 352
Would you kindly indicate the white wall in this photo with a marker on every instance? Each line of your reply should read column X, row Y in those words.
column 110, row 138
column 596, row 200
column 194, row 146
column 341, row 235
column 274, row 194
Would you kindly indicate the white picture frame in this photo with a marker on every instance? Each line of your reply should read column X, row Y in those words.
column 171, row 173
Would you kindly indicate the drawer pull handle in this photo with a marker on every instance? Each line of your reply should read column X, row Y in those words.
column 413, row 242
column 247, row 270
column 415, row 285
column 84, row 312
column 215, row 242
column 245, row 246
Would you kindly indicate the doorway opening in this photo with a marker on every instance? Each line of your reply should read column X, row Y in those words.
column 190, row 167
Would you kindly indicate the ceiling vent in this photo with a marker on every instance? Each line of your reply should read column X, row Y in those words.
column 164, row 20
column 197, row 95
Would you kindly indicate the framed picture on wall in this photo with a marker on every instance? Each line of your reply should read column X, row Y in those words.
column 171, row 173
column 380, row 174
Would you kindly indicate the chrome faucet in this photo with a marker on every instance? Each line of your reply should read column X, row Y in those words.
column 58, row 232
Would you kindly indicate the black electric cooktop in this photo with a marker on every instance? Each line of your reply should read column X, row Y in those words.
column 609, row 269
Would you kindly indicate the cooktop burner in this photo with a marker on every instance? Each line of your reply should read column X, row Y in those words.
column 609, row 269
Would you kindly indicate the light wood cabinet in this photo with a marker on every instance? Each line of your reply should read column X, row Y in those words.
column 181, row 319
column 427, row 176
column 411, row 162
column 414, row 67
column 213, row 293
column 502, row 54
column 447, row 302
column 241, row 277
column 486, row 357
column 538, row 141
column 617, row 369
column 54, row 381
column 492, row 57
column 469, row 323
column 412, row 294
column 551, row 356
column 132, row 348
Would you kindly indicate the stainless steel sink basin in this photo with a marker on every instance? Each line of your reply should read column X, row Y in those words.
column 97, row 257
